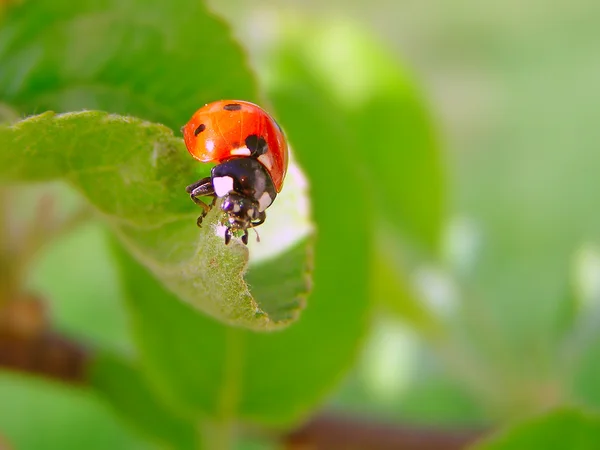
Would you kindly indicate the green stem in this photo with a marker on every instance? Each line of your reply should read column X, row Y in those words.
column 220, row 433
column 6, row 253
column 216, row 435
column 232, row 374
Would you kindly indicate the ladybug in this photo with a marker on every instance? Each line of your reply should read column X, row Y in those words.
column 251, row 153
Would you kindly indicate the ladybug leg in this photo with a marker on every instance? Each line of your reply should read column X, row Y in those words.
column 227, row 235
column 192, row 187
column 245, row 237
column 202, row 188
column 206, row 209
column 201, row 204
column 260, row 220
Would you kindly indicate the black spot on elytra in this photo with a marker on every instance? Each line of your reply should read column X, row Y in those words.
column 257, row 145
column 232, row 107
column 200, row 129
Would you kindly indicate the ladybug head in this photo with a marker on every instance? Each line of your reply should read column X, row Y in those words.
column 240, row 210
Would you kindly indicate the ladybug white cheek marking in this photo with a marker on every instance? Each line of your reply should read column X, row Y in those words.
column 222, row 185
column 266, row 161
column 264, row 201
column 242, row 151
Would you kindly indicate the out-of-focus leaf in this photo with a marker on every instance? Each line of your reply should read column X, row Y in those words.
column 341, row 79
column 395, row 292
column 38, row 414
column 81, row 286
column 386, row 133
column 131, row 171
column 399, row 378
column 571, row 429
column 152, row 59
column 121, row 382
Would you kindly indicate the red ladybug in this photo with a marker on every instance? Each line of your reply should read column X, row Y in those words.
column 252, row 155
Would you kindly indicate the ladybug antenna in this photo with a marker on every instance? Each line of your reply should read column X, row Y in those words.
column 257, row 236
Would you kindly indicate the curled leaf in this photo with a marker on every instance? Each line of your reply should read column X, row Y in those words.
column 134, row 173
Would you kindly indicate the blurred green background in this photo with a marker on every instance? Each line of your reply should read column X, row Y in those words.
column 512, row 89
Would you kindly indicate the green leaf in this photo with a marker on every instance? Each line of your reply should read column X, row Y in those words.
column 396, row 294
column 147, row 58
column 387, row 134
column 134, row 173
column 275, row 378
column 383, row 136
column 206, row 369
column 398, row 379
column 566, row 428
column 122, row 383
column 82, row 287
column 38, row 414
